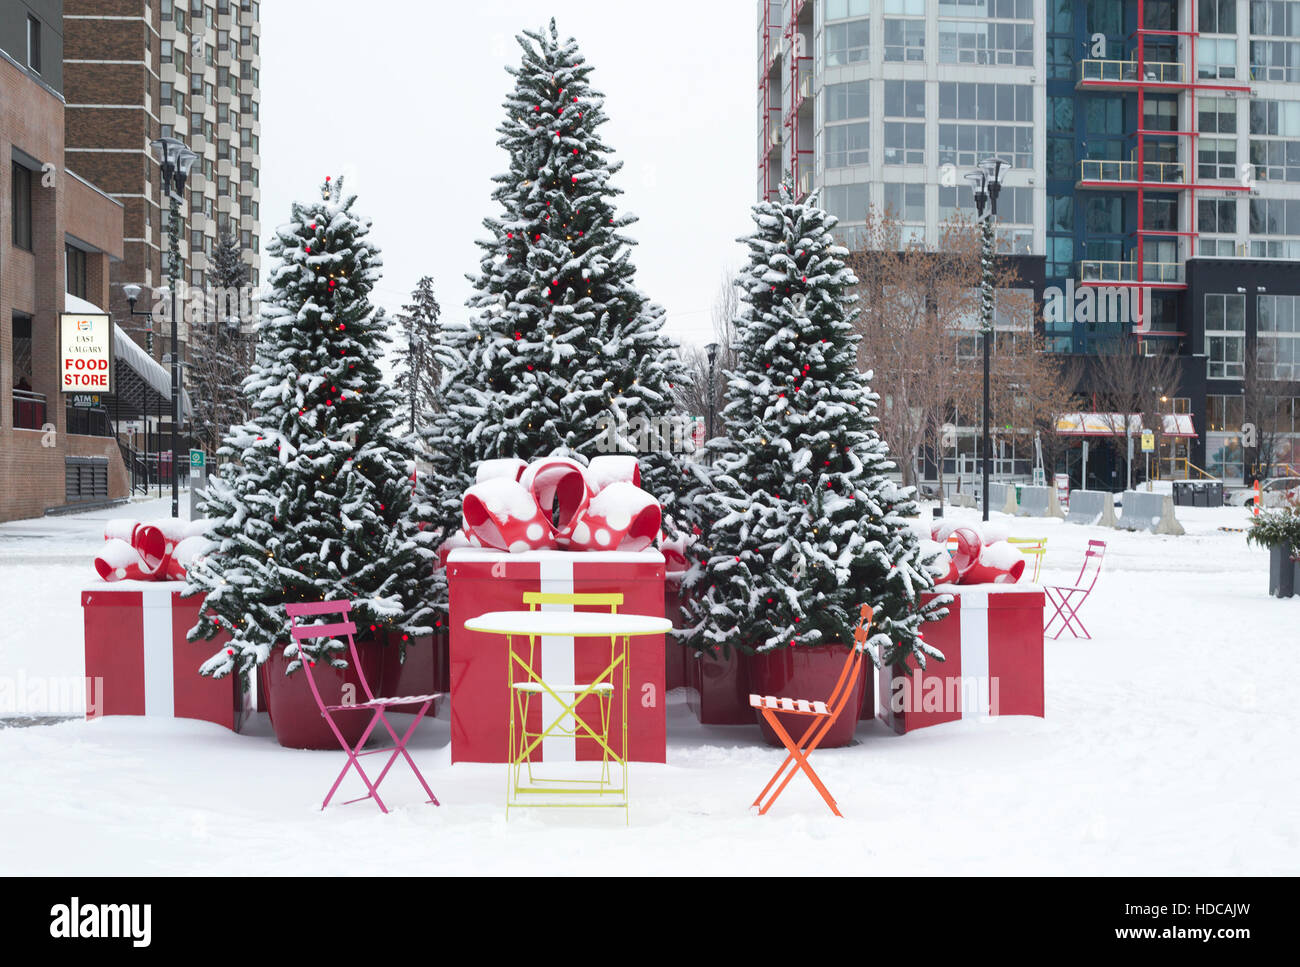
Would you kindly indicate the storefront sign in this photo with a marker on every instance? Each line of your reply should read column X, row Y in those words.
column 85, row 353
column 84, row 401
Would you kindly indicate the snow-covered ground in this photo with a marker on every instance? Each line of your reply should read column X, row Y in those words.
column 1169, row 747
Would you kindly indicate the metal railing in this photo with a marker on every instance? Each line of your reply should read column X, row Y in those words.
column 1153, row 172
column 29, row 410
column 1101, row 270
column 1115, row 71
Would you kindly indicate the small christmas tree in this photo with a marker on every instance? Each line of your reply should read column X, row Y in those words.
column 562, row 344
column 417, row 367
column 317, row 502
column 803, row 524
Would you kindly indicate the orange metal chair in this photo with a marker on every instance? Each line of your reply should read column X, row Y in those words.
column 822, row 716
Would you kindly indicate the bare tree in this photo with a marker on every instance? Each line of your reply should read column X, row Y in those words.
column 1130, row 384
column 708, row 384
column 920, row 330
column 1270, row 404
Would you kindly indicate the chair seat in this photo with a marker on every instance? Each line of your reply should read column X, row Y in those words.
column 563, row 689
column 385, row 702
column 796, row 705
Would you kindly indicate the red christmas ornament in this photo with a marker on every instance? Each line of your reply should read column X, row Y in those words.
column 372, row 627
column 510, row 234
column 230, row 651
column 404, row 638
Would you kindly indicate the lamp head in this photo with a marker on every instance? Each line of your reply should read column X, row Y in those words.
column 132, row 293
column 995, row 168
column 712, row 350
column 979, row 182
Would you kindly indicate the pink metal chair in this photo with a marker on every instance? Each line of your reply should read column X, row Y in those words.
column 1068, row 600
column 377, row 705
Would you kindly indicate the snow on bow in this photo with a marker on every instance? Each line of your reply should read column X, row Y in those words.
column 555, row 502
column 156, row 550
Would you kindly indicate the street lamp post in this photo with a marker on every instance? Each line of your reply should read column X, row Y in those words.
column 712, row 350
column 987, row 182
column 175, row 160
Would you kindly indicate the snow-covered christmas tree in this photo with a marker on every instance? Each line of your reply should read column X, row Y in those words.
column 803, row 522
column 315, row 501
column 562, row 344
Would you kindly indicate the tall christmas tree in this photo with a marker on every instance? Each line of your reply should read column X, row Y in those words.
column 316, row 502
column 803, row 522
column 417, row 367
column 562, row 346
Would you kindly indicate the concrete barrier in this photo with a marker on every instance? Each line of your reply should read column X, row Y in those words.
column 1093, row 507
column 1150, row 512
column 963, row 500
column 1002, row 498
column 1039, row 502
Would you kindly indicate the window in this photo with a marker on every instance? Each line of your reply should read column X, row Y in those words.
column 905, row 140
column 848, row 102
column 904, row 40
column 1225, row 336
column 1161, row 115
column 1274, row 60
column 982, row 42
column 841, row 9
column 1275, row 216
column 1216, row 158
column 1279, row 336
column 1060, row 257
column 1104, row 215
column 1275, row 160
column 1060, row 159
column 910, row 8
column 1218, row 216
column 849, row 144
column 1060, row 213
column 20, row 184
column 1216, row 58
column 1217, row 17
column 1218, row 115
column 906, row 202
column 1223, row 413
column 196, row 83
column 1015, row 205
column 74, row 271
column 34, row 44
column 1060, row 114
column 846, row 43
column 1275, row 18
column 848, row 203
column 1160, row 214
column 1060, row 58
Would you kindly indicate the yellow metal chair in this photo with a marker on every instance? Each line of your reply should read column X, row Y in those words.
column 524, row 742
column 1035, row 547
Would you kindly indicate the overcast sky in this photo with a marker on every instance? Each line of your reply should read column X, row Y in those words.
column 403, row 97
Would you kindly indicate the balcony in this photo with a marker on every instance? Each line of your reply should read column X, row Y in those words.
column 1124, row 73
column 29, row 410
column 1100, row 272
column 803, row 88
column 1097, row 173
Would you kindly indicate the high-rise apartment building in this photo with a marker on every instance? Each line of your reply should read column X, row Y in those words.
column 1155, row 149
column 137, row 70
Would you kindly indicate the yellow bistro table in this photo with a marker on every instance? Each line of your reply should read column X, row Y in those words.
column 524, row 786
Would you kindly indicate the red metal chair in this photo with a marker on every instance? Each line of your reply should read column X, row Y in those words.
column 377, row 705
column 822, row 715
column 1068, row 600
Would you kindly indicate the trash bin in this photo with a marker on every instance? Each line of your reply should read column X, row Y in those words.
column 1183, row 494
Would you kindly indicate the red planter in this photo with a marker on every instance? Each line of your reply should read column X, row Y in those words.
column 420, row 674
column 717, row 689
column 675, row 656
column 809, row 673
column 297, row 718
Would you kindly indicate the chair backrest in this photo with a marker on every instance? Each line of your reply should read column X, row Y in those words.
column 1035, row 547
column 337, row 629
column 1091, row 564
column 535, row 598
column 849, row 673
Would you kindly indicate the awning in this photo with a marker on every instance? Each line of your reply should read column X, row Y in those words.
column 1114, row 424
column 144, row 386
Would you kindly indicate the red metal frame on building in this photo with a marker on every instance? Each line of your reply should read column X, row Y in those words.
column 768, row 112
column 798, row 62
column 1141, row 83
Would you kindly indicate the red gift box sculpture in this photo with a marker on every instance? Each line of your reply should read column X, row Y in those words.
column 553, row 526
column 136, row 624
column 992, row 639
